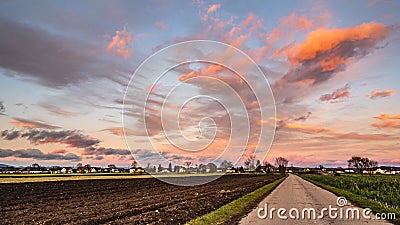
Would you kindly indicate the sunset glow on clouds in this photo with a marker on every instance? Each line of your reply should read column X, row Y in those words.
column 64, row 72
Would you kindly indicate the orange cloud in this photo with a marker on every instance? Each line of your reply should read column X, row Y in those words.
column 31, row 124
column 380, row 94
column 120, row 132
column 326, row 52
column 59, row 151
column 387, row 125
column 307, row 128
column 248, row 19
column 330, row 133
column 387, row 117
column 393, row 123
column 213, row 8
column 120, row 43
column 323, row 40
column 297, row 23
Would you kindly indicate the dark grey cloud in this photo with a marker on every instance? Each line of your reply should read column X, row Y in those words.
column 2, row 108
column 282, row 123
column 339, row 93
column 302, row 118
column 71, row 138
column 51, row 60
column 9, row 134
column 105, row 151
column 37, row 154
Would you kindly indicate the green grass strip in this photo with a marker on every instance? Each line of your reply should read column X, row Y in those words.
column 226, row 213
column 360, row 201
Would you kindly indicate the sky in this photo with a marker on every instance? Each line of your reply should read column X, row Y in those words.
column 109, row 82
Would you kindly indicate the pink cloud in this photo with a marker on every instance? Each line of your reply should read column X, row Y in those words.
column 337, row 94
column 213, row 8
column 380, row 94
column 160, row 25
column 120, row 43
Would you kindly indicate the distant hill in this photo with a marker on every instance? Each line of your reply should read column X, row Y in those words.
column 4, row 165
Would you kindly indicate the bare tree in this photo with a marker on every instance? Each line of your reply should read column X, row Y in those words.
column 282, row 164
column 226, row 165
column 134, row 164
column 359, row 164
column 268, row 166
column 249, row 163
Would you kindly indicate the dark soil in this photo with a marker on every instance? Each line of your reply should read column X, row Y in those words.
column 119, row 201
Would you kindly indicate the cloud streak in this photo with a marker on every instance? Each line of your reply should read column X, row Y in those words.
column 380, row 94
column 70, row 138
column 26, row 123
column 37, row 154
column 335, row 96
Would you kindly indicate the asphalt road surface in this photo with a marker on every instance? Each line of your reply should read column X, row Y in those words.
column 297, row 195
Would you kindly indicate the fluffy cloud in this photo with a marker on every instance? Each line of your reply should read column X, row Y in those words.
column 37, row 154
column 326, row 52
column 213, row 8
column 336, row 95
column 120, row 43
column 9, row 134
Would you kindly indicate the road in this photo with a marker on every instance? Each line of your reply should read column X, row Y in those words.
column 293, row 194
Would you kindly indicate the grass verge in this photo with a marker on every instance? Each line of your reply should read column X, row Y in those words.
column 360, row 201
column 230, row 211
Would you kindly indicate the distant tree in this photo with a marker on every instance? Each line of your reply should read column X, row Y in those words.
column 258, row 163
column 268, row 166
column 170, row 167
column 188, row 163
column 112, row 166
column 225, row 165
column 176, row 169
column 359, row 164
column 212, row 167
column 249, row 163
column 78, row 165
column 281, row 163
column 154, row 169
column 134, row 164
column 355, row 163
column 159, row 169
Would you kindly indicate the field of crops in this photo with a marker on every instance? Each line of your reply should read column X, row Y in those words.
column 120, row 201
column 384, row 189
